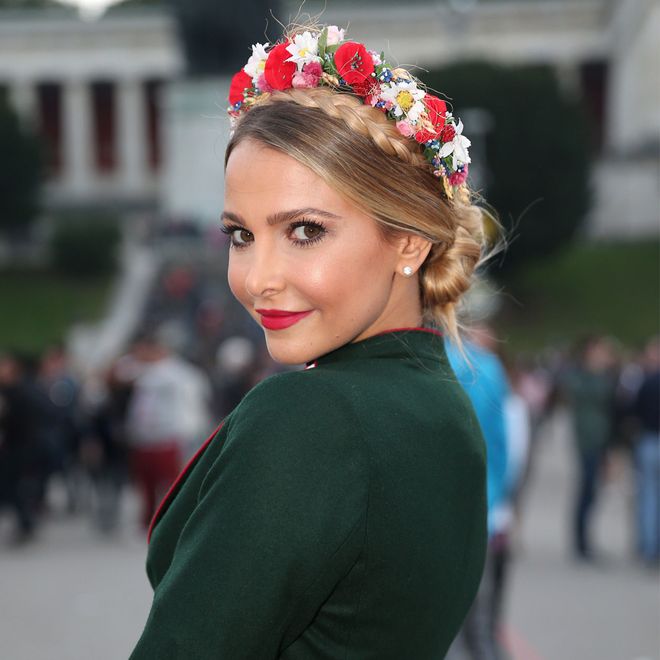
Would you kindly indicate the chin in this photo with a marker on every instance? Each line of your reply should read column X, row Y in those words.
column 288, row 352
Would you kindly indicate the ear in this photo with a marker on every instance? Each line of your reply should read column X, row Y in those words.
column 412, row 251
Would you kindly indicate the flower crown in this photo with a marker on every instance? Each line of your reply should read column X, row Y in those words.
column 313, row 59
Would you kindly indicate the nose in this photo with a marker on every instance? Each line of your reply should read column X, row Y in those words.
column 264, row 275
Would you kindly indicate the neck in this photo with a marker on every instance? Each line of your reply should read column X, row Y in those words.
column 403, row 310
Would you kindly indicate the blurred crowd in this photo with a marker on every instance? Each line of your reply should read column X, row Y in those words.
column 138, row 422
column 612, row 397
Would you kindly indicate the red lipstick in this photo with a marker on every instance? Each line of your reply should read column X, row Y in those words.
column 278, row 319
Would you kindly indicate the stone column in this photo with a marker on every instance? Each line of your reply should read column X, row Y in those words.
column 78, row 166
column 132, row 135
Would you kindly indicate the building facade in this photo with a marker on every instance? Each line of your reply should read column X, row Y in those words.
column 107, row 95
column 91, row 90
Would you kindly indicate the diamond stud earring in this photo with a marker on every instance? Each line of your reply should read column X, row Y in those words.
column 407, row 271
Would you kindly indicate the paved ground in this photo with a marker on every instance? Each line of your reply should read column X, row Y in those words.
column 560, row 609
column 73, row 595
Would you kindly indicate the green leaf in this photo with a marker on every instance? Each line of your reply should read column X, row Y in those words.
column 323, row 42
column 330, row 66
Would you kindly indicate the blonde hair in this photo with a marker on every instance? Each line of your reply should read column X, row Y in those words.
column 357, row 151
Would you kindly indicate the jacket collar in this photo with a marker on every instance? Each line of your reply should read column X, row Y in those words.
column 425, row 343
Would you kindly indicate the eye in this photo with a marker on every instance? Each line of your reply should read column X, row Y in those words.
column 240, row 236
column 306, row 232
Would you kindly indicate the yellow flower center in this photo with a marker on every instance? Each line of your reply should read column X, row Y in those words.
column 405, row 100
column 261, row 67
column 302, row 52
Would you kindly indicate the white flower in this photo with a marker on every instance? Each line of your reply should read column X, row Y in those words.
column 304, row 49
column 458, row 148
column 405, row 97
column 335, row 35
column 257, row 62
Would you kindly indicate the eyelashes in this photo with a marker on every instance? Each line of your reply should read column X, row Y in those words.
column 246, row 237
column 230, row 230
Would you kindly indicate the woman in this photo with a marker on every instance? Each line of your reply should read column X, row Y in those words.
column 340, row 510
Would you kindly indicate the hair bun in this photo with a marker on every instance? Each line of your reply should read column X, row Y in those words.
column 448, row 271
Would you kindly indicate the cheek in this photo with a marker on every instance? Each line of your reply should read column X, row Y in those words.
column 347, row 273
column 236, row 280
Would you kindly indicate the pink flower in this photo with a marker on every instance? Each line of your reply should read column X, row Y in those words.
column 459, row 177
column 335, row 35
column 308, row 77
column 375, row 57
column 405, row 128
column 302, row 80
column 313, row 69
column 262, row 84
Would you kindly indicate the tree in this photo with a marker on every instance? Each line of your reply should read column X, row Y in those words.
column 84, row 245
column 20, row 174
column 537, row 152
column 217, row 34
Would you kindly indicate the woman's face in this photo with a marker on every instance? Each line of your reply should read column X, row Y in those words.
column 311, row 268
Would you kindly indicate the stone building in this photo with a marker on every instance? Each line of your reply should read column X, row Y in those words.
column 123, row 125
column 91, row 89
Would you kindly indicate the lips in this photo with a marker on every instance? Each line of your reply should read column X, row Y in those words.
column 278, row 319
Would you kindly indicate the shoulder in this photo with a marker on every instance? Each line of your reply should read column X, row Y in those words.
column 311, row 394
column 301, row 413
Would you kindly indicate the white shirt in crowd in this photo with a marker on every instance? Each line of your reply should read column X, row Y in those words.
column 170, row 402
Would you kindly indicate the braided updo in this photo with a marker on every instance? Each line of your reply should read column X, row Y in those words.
column 357, row 151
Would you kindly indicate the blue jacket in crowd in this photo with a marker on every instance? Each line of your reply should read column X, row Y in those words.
column 486, row 384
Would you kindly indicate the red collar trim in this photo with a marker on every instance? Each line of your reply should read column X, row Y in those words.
column 170, row 493
column 433, row 331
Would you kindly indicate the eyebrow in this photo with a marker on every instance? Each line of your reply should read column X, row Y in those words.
column 281, row 216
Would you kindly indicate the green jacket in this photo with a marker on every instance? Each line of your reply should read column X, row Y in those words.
column 338, row 513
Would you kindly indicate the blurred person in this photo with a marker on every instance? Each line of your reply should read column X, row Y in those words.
column 235, row 374
column 167, row 412
column 646, row 409
column 534, row 385
column 484, row 379
column 588, row 386
column 630, row 374
column 339, row 510
column 518, row 425
column 104, row 447
column 20, row 410
column 61, row 423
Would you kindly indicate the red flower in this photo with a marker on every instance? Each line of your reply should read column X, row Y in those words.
column 448, row 133
column 435, row 109
column 353, row 62
column 278, row 72
column 365, row 89
column 239, row 83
